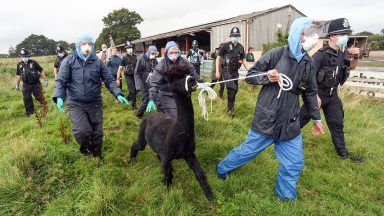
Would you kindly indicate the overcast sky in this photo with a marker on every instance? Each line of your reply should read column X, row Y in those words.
column 66, row 19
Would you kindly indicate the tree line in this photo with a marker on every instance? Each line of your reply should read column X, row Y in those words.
column 121, row 24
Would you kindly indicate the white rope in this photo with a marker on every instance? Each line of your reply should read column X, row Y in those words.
column 284, row 82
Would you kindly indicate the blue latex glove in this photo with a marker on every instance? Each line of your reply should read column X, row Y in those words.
column 17, row 87
column 59, row 104
column 45, row 83
column 151, row 106
column 122, row 99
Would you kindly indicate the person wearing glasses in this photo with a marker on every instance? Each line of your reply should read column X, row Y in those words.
column 160, row 95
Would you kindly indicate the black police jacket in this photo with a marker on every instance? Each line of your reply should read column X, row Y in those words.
column 331, row 67
column 278, row 118
column 129, row 63
column 29, row 72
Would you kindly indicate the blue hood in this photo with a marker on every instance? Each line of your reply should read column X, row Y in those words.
column 81, row 38
column 294, row 38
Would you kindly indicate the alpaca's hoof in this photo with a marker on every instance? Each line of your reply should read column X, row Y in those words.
column 166, row 182
column 210, row 197
column 132, row 160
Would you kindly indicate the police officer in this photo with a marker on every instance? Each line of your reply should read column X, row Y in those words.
column 159, row 90
column 128, row 64
column 29, row 71
column 229, row 60
column 61, row 54
column 79, row 83
column 143, row 72
column 194, row 56
column 332, row 66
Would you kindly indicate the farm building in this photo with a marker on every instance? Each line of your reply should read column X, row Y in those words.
column 256, row 28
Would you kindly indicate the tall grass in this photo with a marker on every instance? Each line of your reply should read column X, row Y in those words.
column 39, row 174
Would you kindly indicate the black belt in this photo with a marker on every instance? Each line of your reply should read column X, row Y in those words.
column 328, row 91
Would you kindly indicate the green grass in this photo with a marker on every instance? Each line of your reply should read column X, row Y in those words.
column 40, row 175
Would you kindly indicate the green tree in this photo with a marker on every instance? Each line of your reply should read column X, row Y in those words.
column 12, row 52
column 38, row 45
column 63, row 43
column 364, row 33
column 282, row 40
column 121, row 24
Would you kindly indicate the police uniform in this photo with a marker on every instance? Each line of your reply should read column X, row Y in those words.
column 332, row 70
column 194, row 56
column 129, row 63
column 59, row 59
column 29, row 73
column 232, row 59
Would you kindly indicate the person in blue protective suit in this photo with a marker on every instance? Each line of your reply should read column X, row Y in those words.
column 143, row 71
column 159, row 90
column 276, row 119
column 79, row 83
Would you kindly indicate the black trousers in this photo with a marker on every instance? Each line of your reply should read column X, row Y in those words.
column 28, row 91
column 197, row 67
column 144, row 99
column 87, row 127
column 222, row 86
column 131, row 89
column 232, row 87
column 334, row 116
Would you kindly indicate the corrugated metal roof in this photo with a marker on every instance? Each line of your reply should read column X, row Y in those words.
column 208, row 26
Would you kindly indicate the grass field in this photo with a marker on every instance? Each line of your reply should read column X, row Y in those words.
column 40, row 175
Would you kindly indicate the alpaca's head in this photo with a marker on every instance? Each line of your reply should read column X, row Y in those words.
column 178, row 80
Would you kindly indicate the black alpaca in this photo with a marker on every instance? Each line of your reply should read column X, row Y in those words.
column 174, row 138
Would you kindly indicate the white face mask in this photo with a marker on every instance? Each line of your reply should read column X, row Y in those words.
column 61, row 54
column 25, row 59
column 104, row 49
column 129, row 51
column 152, row 56
column 310, row 42
column 86, row 49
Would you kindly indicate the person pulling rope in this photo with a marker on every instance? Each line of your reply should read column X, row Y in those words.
column 284, row 82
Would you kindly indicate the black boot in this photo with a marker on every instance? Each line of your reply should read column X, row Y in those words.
column 344, row 155
column 231, row 113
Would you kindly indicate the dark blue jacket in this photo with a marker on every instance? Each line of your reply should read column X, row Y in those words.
column 113, row 64
column 80, row 81
column 278, row 118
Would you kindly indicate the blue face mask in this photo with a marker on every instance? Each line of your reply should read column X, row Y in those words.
column 234, row 39
column 25, row 59
column 342, row 41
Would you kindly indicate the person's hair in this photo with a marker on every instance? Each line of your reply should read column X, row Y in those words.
column 249, row 49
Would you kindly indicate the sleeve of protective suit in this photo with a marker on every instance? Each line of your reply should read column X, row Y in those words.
column 62, row 80
column 193, row 73
column 266, row 62
column 154, row 84
column 138, row 73
column 310, row 94
column 109, row 81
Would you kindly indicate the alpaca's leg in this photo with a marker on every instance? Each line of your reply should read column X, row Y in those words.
column 167, row 170
column 200, row 175
column 138, row 145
